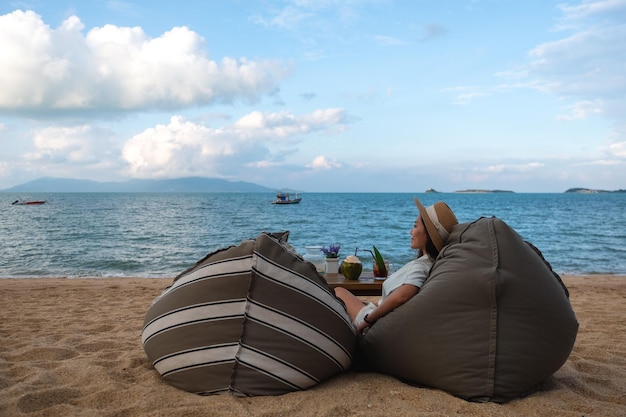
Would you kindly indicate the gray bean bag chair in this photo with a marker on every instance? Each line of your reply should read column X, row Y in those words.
column 254, row 319
column 491, row 322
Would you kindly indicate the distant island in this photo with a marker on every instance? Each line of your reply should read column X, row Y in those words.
column 177, row 185
column 571, row 190
column 474, row 191
column 592, row 191
column 479, row 191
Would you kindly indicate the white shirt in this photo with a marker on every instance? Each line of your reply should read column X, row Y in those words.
column 414, row 273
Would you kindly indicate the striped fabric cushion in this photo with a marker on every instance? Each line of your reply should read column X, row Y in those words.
column 254, row 319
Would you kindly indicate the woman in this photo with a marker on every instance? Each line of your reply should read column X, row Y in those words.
column 428, row 235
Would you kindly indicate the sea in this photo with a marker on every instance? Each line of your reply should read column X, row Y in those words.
column 159, row 235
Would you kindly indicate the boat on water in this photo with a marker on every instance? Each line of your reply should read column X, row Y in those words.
column 28, row 202
column 287, row 198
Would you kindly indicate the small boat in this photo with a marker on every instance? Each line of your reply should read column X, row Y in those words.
column 287, row 198
column 28, row 202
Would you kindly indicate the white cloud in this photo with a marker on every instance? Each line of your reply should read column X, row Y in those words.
column 477, row 173
column 119, row 68
column 502, row 168
column 586, row 67
column 287, row 125
column 184, row 148
column 618, row 149
column 122, row 7
column 262, row 164
column 69, row 145
column 324, row 163
column 298, row 13
column 388, row 40
column 180, row 148
column 588, row 63
column 599, row 162
column 466, row 98
column 593, row 8
column 466, row 94
column 312, row 21
column 64, row 151
column 583, row 109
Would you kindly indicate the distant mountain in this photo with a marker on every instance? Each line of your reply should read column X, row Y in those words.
column 178, row 185
column 592, row 191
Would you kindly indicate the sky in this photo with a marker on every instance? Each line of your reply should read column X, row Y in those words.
column 317, row 95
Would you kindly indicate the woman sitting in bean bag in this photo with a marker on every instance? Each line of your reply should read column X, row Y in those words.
column 428, row 235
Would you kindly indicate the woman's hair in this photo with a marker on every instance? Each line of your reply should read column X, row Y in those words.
column 431, row 250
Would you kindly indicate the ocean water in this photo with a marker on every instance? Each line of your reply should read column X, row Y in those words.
column 160, row 235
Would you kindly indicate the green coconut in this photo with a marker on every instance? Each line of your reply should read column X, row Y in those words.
column 351, row 267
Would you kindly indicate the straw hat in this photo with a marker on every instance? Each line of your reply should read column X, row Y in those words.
column 439, row 220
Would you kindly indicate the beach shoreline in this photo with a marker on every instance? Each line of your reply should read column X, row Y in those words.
column 71, row 347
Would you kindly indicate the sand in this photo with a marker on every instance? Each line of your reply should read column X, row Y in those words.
column 71, row 347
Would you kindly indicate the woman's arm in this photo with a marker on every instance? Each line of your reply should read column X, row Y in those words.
column 399, row 296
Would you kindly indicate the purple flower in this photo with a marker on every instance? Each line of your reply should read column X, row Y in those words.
column 332, row 251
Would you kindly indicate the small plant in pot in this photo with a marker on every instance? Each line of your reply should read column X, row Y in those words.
column 332, row 258
column 332, row 251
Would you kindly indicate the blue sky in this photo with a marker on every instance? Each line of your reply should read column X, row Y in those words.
column 317, row 95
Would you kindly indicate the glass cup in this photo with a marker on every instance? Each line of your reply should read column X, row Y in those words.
column 378, row 273
column 314, row 255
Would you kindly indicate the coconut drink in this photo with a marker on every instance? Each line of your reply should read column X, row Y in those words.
column 351, row 267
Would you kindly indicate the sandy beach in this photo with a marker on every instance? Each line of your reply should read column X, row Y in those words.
column 71, row 347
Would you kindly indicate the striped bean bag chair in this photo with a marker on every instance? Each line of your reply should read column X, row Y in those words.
column 255, row 319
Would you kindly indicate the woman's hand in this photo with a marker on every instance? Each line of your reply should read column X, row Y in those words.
column 399, row 296
column 361, row 328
